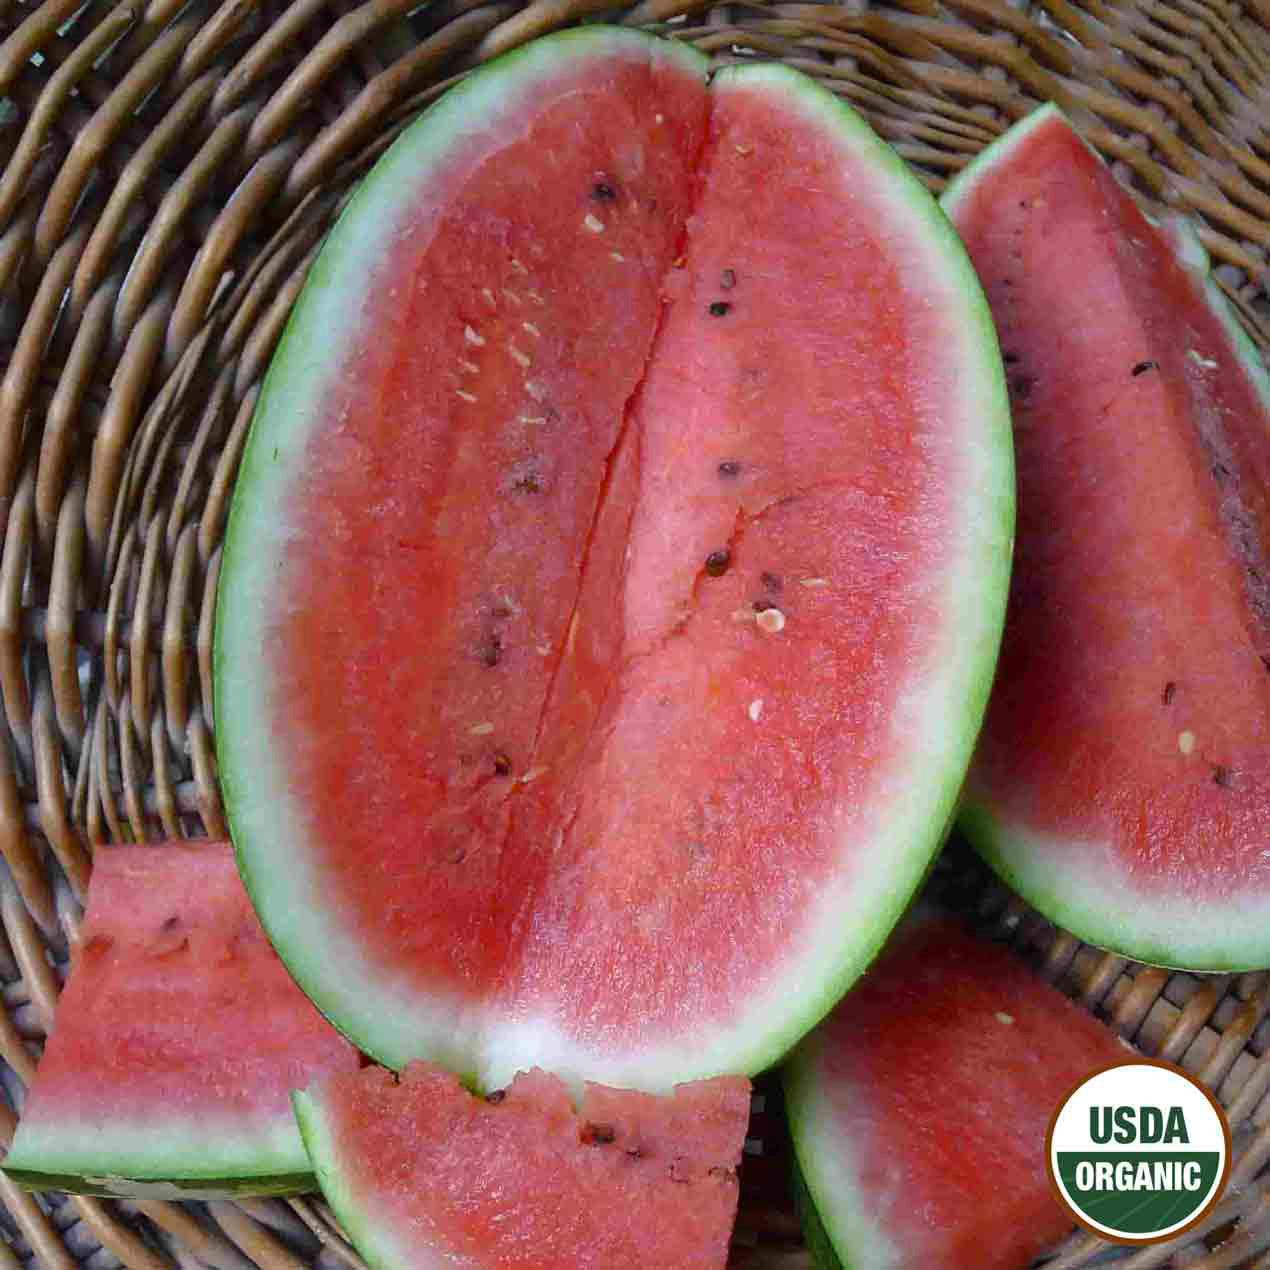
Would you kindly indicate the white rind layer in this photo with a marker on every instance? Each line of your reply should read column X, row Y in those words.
column 161, row 1147
column 934, row 725
column 826, row 1161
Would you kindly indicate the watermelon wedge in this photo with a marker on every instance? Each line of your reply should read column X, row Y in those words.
column 615, row 572
column 178, row 1038
column 1122, row 783
column 422, row 1174
column 919, row 1108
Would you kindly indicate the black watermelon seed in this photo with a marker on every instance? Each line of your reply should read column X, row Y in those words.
column 1170, row 689
column 729, row 467
column 1142, row 367
column 717, row 562
column 720, row 308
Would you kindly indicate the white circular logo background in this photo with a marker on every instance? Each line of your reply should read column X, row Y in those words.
column 1139, row 1152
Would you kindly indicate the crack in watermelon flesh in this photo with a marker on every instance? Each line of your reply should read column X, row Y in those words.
column 1122, row 781
column 567, row 784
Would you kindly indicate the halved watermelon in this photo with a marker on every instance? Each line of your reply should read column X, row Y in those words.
column 615, row 572
column 919, row 1108
column 178, row 1039
column 423, row 1174
column 1122, row 783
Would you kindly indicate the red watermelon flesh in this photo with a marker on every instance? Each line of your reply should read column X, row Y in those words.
column 423, row 1174
column 919, row 1108
column 178, row 1039
column 1122, row 782
column 617, row 597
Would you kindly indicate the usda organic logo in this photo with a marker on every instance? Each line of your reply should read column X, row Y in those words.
column 1139, row 1151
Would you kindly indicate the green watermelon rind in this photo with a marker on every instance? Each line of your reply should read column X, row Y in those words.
column 165, row 1187
column 369, row 1235
column 815, row 1236
column 1104, row 907
column 945, row 711
column 1224, row 935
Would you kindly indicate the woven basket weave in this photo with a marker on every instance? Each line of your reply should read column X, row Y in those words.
column 166, row 173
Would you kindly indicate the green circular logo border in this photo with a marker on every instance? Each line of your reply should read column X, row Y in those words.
column 1070, row 1208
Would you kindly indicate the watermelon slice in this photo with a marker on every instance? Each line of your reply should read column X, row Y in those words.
column 615, row 572
column 178, row 1039
column 423, row 1174
column 919, row 1108
column 1122, row 784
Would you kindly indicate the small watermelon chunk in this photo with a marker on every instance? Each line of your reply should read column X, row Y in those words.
column 919, row 1108
column 423, row 1174
column 178, row 1039
column 615, row 573
column 1122, row 781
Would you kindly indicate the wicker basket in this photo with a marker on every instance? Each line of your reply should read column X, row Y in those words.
column 168, row 170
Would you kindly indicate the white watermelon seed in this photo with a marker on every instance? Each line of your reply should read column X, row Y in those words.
column 659, row 119
column 815, row 584
column 617, row 255
column 520, row 268
column 481, row 729
column 489, row 295
column 470, row 367
column 1003, row 1017
column 536, row 298
column 518, row 357
column 531, row 328
column 543, row 650
column 533, row 774
column 594, row 223
column 536, row 389
column 477, row 341
column 1200, row 360
column 467, row 396
column 533, row 418
column 756, row 709
column 771, row 620
column 512, row 296
column 1186, row 742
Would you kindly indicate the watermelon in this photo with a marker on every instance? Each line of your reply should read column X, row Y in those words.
column 177, row 1041
column 919, row 1108
column 1122, row 784
column 615, row 572
column 423, row 1174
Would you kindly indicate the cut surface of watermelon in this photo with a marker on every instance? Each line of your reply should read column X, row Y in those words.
column 422, row 1174
column 919, row 1108
column 1122, row 782
column 615, row 572
column 177, row 1042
